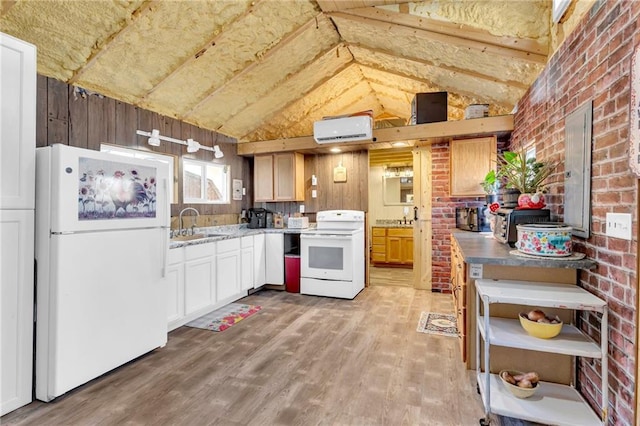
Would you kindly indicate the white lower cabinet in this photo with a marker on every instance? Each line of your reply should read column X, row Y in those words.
column 228, row 268
column 246, row 263
column 259, row 261
column 175, row 284
column 553, row 403
column 16, row 308
column 275, row 258
column 199, row 277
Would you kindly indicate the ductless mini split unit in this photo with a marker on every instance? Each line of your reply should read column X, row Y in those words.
column 344, row 129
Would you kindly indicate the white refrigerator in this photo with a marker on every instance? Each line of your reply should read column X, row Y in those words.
column 102, row 225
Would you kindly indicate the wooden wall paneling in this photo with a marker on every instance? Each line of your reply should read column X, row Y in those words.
column 57, row 112
column 41, row 111
column 78, row 113
column 145, row 122
column 363, row 176
column 100, row 121
column 126, row 124
column 310, row 169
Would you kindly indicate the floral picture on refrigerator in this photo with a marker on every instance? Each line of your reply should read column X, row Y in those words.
column 114, row 190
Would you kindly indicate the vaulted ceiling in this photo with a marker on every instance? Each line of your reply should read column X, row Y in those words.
column 267, row 69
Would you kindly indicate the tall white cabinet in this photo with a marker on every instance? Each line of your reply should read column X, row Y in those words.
column 17, row 202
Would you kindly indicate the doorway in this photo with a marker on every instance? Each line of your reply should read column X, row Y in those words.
column 399, row 218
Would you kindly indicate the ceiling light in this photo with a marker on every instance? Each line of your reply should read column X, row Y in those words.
column 399, row 144
column 154, row 139
column 192, row 146
column 335, row 150
column 217, row 152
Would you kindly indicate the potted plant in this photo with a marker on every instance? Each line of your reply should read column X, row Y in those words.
column 490, row 185
column 527, row 175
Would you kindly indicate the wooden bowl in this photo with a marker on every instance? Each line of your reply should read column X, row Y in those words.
column 539, row 329
column 517, row 391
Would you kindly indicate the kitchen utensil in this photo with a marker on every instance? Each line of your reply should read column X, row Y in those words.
column 517, row 391
column 544, row 239
column 540, row 329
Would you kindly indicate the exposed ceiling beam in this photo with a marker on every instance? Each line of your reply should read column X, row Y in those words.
column 502, row 124
column 463, row 72
column 331, row 5
column 281, row 45
column 195, row 55
column 96, row 54
column 454, row 30
column 482, row 47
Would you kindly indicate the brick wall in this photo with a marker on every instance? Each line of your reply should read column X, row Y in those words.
column 594, row 64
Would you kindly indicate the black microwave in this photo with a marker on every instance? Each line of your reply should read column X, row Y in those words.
column 471, row 219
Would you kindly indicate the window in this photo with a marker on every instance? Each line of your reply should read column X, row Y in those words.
column 205, row 182
column 166, row 159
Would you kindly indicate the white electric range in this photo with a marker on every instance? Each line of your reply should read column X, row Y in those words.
column 332, row 255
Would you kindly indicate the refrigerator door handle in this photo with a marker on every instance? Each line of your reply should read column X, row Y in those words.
column 166, row 217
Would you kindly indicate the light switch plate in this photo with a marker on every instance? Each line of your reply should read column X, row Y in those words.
column 314, row 194
column 619, row 225
column 301, row 208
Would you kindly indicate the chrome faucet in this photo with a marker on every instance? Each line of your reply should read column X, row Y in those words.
column 180, row 230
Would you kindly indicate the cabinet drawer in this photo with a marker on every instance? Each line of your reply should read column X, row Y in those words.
column 378, row 232
column 246, row 242
column 400, row 232
column 378, row 248
column 378, row 257
column 176, row 255
column 228, row 245
column 378, row 240
column 199, row 250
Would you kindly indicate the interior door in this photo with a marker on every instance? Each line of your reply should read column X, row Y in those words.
column 422, row 217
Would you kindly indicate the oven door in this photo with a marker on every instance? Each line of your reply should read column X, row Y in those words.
column 326, row 256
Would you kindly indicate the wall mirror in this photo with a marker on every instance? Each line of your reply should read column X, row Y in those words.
column 398, row 189
column 204, row 182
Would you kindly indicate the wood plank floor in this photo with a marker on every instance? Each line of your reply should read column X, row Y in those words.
column 301, row 360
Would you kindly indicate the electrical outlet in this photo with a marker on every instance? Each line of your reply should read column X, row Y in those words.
column 619, row 225
column 314, row 194
column 301, row 208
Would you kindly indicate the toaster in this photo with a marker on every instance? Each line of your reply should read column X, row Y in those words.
column 298, row 222
column 506, row 220
column 471, row 219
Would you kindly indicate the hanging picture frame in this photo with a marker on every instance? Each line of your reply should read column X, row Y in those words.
column 340, row 174
column 634, row 114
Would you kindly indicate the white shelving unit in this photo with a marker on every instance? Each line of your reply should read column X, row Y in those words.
column 553, row 403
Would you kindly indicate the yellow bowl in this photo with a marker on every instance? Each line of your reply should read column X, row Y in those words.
column 539, row 329
column 517, row 391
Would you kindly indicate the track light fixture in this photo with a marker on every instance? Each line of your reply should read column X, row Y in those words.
column 192, row 146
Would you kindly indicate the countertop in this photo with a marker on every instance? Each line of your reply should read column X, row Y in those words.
column 482, row 248
column 232, row 231
column 392, row 223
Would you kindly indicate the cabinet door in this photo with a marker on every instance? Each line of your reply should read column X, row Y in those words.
column 275, row 259
column 470, row 160
column 16, row 308
column 263, row 178
column 407, row 251
column 288, row 177
column 259, row 261
column 18, row 128
column 228, row 278
column 199, row 277
column 246, row 263
column 175, row 285
column 394, row 249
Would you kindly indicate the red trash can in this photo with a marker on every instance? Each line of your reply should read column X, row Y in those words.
column 292, row 273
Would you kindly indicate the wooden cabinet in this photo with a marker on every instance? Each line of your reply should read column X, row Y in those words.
column 470, row 160
column 279, row 177
column 392, row 246
column 459, row 292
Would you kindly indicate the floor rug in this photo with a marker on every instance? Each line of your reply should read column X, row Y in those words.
column 225, row 317
column 441, row 324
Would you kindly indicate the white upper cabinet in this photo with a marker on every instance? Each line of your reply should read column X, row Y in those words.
column 17, row 123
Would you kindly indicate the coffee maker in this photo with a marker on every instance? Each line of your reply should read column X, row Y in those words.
column 258, row 218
